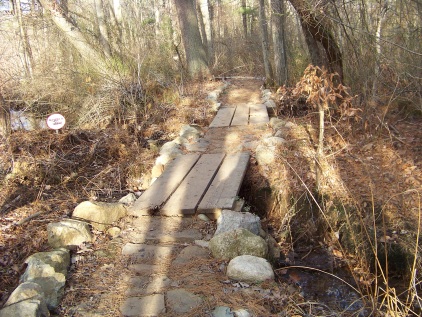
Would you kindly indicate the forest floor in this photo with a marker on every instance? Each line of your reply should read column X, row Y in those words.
column 374, row 162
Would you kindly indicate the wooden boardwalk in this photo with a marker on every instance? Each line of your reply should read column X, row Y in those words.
column 206, row 183
column 240, row 115
column 195, row 184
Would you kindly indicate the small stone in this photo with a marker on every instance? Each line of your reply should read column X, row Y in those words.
column 202, row 243
column 114, row 232
column 289, row 124
column 230, row 220
column 265, row 154
column 222, row 311
column 144, row 285
column 129, row 199
column 230, row 244
column 241, row 313
column 250, row 269
column 100, row 215
column 157, row 170
column 274, row 141
column 181, row 301
column 204, row 218
column 152, row 305
column 68, row 233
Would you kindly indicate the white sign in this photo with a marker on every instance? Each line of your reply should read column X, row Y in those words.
column 56, row 121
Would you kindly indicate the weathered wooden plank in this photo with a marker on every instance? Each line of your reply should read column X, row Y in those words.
column 258, row 114
column 164, row 186
column 187, row 196
column 241, row 116
column 226, row 184
column 223, row 118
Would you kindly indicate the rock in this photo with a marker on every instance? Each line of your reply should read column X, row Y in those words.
column 114, row 232
column 274, row 141
column 191, row 132
column 230, row 220
column 278, row 134
column 250, row 269
column 204, row 218
column 265, row 154
column 157, row 170
column 68, row 233
column 213, row 95
column 27, row 308
column 26, row 300
column 181, row 141
column 216, row 106
column 200, row 145
column 100, row 215
column 277, row 123
column 129, row 199
column 237, row 242
column 289, row 125
column 168, row 152
column 181, row 301
column 271, row 106
column 222, row 311
column 202, row 243
column 241, row 313
column 274, row 250
column 49, row 270
column 152, row 305
column 145, row 285
column 189, row 253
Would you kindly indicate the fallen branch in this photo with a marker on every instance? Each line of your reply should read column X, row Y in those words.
column 25, row 220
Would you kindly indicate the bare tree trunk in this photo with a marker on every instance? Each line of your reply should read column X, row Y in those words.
column 102, row 26
column 28, row 60
column 278, row 26
column 378, row 47
column 207, row 19
column 4, row 118
column 77, row 39
column 201, row 25
column 265, row 44
column 322, row 33
column 196, row 56
column 244, row 19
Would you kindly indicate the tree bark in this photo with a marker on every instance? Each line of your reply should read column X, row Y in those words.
column 244, row 19
column 265, row 44
column 196, row 56
column 102, row 27
column 278, row 26
column 4, row 118
column 207, row 19
column 321, row 32
column 77, row 39
column 28, row 60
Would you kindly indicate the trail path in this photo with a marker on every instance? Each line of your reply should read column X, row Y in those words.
column 165, row 271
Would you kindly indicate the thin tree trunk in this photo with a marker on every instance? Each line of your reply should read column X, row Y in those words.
column 378, row 48
column 244, row 19
column 77, row 39
column 265, row 45
column 102, row 27
column 278, row 26
column 201, row 25
column 207, row 19
column 27, row 52
column 196, row 56
column 4, row 118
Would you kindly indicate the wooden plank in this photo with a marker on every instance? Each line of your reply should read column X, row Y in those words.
column 258, row 114
column 226, row 184
column 164, row 186
column 241, row 116
column 223, row 118
column 187, row 196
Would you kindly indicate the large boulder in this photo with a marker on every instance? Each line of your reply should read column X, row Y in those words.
column 68, row 233
column 230, row 220
column 99, row 215
column 26, row 300
column 237, row 242
column 250, row 269
column 48, row 270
